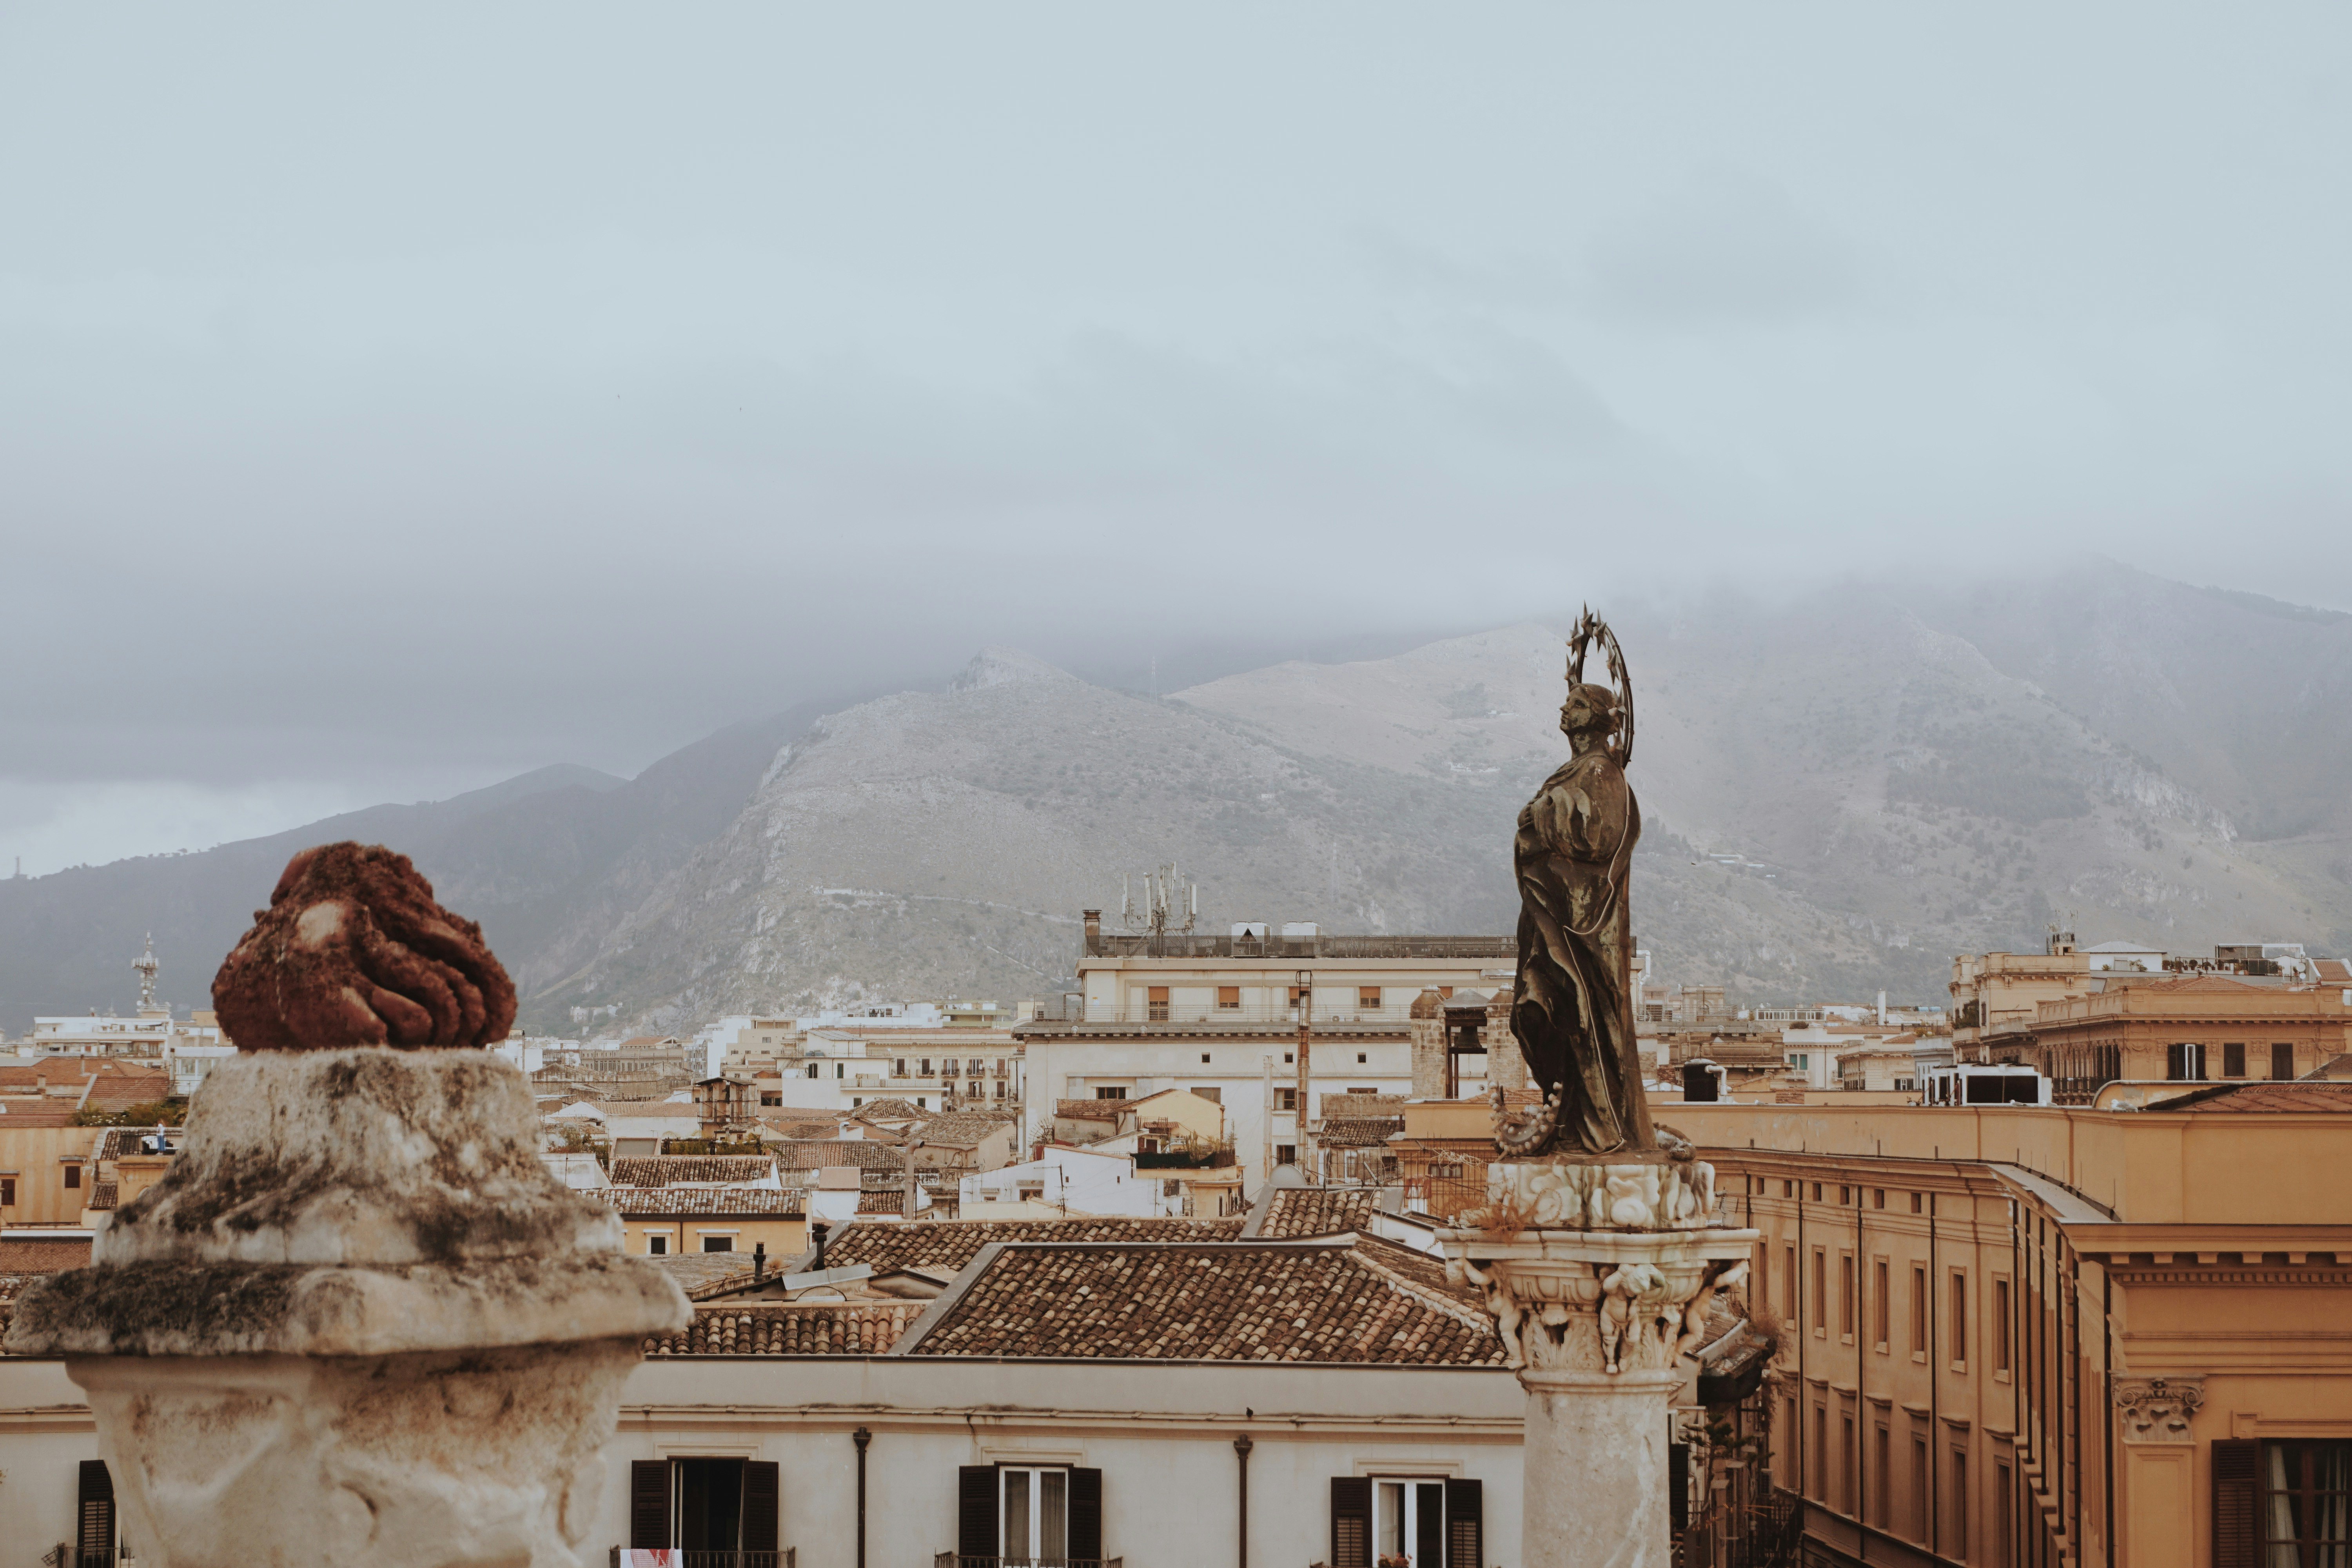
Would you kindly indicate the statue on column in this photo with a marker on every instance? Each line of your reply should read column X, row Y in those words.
column 1572, row 1003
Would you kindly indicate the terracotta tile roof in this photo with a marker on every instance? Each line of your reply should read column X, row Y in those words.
column 37, row 1255
column 639, row 1171
column 889, row 1110
column 817, row 1153
column 1358, row 1131
column 2264, row 1095
column 1294, row 1211
column 961, row 1130
column 883, row 1200
column 712, row 1200
column 702, row 1273
column 102, row 1195
column 951, row 1244
column 803, row 1129
column 791, row 1328
column 1355, row 1300
column 1089, row 1109
column 2333, row 970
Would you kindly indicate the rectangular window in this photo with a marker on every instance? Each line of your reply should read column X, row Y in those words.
column 1915, row 1206
column 2001, row 1325
column 1879, row 1197
column 1821, row 1452
column 1104, row 1091
column 1036, row 1510
column 1229, row 998
column 1368, row 998
column 2233, row 1058
column 1821, row 1292
column 776, row 1095
column 1882, row 1449
column 1286, row 1153
column 1156, row 1001
column 1845, row 1295
column 2005, row 1521
column 2184, row 1062
column 2306, row 1494
column 73, row 1176
column 1956, row 1329
column 1849, row 1496
column 1918, row 1520
column 925, row 1067
column 1920, row 1345
column 1789, row 1284
column 1788, row 1189
column 1878, row 1304
column 656, row 1247
column 1960, row 1504
column 7, row 1192
column 2282, row 1060
column 1409, row 1520
column 1285, row 1099
column 717, row 1244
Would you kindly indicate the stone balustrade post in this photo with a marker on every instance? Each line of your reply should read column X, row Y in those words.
column 1600, row 1275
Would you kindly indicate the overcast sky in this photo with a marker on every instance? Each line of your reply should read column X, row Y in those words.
column 390, row 404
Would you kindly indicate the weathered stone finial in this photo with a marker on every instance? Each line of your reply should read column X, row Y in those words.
column 357, row 1320
column 353, row 951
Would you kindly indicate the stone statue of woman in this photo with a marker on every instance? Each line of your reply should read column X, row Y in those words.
column 1573, row 1005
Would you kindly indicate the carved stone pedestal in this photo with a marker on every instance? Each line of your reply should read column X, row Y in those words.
column 1598, row 1296
column 356, row 1322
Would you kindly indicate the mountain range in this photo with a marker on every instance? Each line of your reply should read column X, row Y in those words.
column 1839, row 791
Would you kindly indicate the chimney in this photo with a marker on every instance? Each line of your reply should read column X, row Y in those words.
column 1882, row 1008
column 1094, row 934
column 759, row 1260
column 818, row 1230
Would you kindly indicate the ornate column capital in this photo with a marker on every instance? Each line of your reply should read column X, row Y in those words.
column 2158, row 1409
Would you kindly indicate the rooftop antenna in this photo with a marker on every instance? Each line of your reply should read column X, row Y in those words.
column 1165, row 896
column 146, row 966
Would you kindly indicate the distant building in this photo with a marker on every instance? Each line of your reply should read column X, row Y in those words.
column 1218, row 1015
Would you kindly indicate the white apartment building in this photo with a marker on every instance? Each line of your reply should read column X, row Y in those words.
column 1219, row 1015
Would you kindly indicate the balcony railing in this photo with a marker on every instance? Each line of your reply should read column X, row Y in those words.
column 685, row 1557
column 957, row 1560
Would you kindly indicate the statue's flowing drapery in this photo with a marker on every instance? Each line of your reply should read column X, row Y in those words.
column 1570, row 1008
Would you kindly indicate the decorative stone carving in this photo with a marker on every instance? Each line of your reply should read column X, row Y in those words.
column 1662, row 1193
column 2158, row 1409
column 353, row 951
column 356, row 1320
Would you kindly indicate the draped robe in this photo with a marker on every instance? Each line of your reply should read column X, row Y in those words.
column 1573, row 1008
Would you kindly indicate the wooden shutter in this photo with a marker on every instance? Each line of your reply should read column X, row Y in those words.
column 2237, row 1482
column 94, row 1524
column 763, row 1485
column 976, row 1511
column 649, row 1504
column 1351, row 1522
column 1466, row 1517
column 1086, row 1515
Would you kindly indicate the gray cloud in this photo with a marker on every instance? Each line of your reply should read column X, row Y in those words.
column 387, row 403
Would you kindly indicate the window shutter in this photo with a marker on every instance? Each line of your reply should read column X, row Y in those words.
column 1351, row 1522
column 762, row 1505
column 649, row 1504
column 2237, row 1469
column 94, row 1526
column 1466, row 1517
column 1086, row 1515
column 976, row 1511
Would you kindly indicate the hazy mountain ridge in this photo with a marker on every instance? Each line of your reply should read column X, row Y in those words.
column 1893, row 779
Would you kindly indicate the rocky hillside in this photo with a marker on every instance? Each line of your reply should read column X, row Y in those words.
column 1839, row 795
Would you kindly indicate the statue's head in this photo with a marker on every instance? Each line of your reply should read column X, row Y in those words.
column 1589, row 710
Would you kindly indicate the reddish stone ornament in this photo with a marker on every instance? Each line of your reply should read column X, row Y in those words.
column 353, row 951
